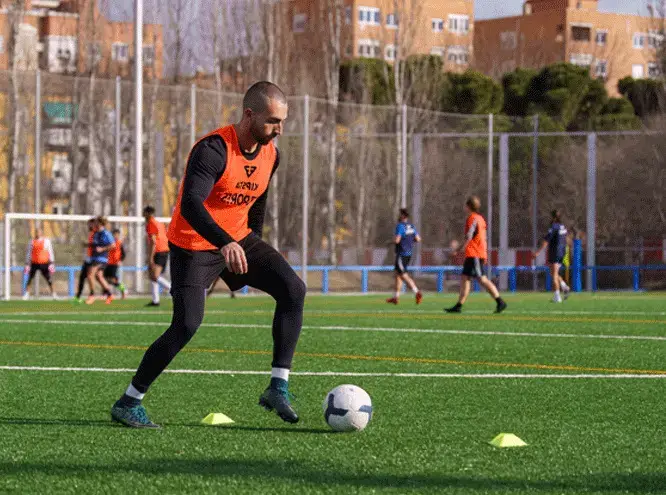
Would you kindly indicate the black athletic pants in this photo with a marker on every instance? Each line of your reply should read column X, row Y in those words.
column 192, row 272
column 83, row 274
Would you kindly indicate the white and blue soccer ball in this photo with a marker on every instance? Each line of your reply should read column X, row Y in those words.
column 347, row 408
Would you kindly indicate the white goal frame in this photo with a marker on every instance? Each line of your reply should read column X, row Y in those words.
column 9, row 217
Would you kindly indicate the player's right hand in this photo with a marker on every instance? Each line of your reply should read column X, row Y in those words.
column 234, row 257
column 26, row 269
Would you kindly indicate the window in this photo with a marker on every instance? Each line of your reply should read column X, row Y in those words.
column 458, row 55
column 602, row 37
column 438, row 51
column 601, row 69
column 508, row 40
column 2, row 44
column 299, row 22
column 459, row 24
column 637, row 71
column 653, row 70
column 348, row 15
column 390, row 52
column 369, row 15
column 437, row 25
column 581, row 33
column 148, row 55
column 391, row 21
column 368, row 48
column 94, row 54
column 655, row 39
column 639, row 40
column 581, row 59
column 58, row 209
column 120, row 52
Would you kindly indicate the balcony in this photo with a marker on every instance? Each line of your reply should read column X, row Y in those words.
column 45, row 4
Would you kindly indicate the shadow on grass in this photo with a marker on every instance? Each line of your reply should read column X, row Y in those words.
column 109, row 423
column 293, row 471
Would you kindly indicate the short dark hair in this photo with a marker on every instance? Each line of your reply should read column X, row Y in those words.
column 116, row 231
column 557, row 215
column 404, row 212
column 257, row 97
column 473, row 203
column 149, row 210
column 102, row 220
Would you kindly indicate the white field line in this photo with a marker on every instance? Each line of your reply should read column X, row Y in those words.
column 352, row 313
column 89, row 323
column 344, row 373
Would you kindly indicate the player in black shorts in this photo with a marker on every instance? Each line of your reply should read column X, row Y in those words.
column 556, row 241
column 405, row 237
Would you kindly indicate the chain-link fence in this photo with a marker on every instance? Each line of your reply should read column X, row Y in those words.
column 362, row 163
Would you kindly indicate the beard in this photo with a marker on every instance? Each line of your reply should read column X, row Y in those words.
column 261, row 138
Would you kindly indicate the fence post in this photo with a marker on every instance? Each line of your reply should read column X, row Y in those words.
column 577, row 266
column 591, row 208
column 118, row 158
column 636, row 279
column 489, row 222
column 70, row 281
column 513, row 279
column 324, row 281
column 440, row 281
column 38, row 141
column 403, row 159
column 193, row 111
column 364, row 280
column 306, row 192
column 417, row 153
column 504, row 209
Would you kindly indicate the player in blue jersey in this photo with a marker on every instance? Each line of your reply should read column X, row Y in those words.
column 556, row 241
column 102, row 242
column 405, row 237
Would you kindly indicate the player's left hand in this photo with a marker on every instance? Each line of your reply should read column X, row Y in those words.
column 51, row 268
column 99, row 249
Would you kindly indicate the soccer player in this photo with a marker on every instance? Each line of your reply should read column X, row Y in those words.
column 215, row 230
column 83, row 274
column 116, row 256
column 556, row 240
column 476, row 254
column 103, row 242
column 405, row 237
column 39, row 258
column 158, row 253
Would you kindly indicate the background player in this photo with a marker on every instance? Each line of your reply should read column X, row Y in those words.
column 556, row 240
column 103, row 242
column 116, row 256
column 83, row 274
column 216, row 229
column 405, row 237
column 39, row 258
column 158, row 254
column 476, row 254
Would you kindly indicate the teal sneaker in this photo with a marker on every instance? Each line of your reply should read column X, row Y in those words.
column 122, row 289
column 77, row 300
column 278, row 399
column 134, row 417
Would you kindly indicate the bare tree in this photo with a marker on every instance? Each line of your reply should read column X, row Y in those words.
column 15, row 16
column 330, row 21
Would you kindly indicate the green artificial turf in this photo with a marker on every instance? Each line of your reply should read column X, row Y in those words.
column 598, row 427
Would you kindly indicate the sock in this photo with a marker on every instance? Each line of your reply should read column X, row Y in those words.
column 281, row 373
column 132, row 397
column 415, row 289
column 557, row 293
column 396, row 294
column 498, row 299
column 156, row 292
column 164, row 283
column 564, row 285
column 458, row 305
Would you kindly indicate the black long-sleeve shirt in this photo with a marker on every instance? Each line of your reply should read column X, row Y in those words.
column 205, row 167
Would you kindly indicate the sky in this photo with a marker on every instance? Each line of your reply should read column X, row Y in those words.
column 501, row 8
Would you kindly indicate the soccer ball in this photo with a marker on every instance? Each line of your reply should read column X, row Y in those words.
column 347, row 408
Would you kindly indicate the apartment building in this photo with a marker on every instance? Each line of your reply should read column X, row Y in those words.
column 383, row 28
column 69, row 36
column 612, row 45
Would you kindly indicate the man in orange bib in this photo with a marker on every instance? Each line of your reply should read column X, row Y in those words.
column 215, row 232
column 39, row 258
column 158, row 254
column 476, row 254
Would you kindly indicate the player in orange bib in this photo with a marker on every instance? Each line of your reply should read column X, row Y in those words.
column 116, row 256
column 215, row 232
column 158, row 254
column 39, row 258
column 476, row 254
